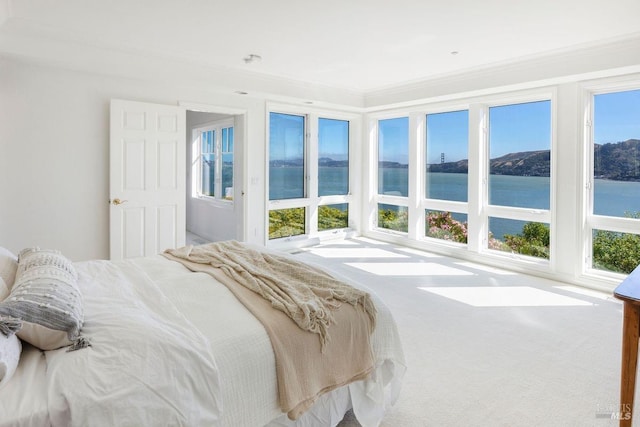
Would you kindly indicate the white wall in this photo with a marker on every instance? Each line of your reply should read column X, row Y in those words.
column 54, row 154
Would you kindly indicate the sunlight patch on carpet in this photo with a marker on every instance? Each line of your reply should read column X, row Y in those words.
column 503, row 296
column 336, row 242
column 487, row 269
column 419, row 252
column 370, row 241
column 355, row 253
column 408, row 269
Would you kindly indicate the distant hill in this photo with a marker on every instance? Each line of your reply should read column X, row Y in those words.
column 526, row 163
column 618, row 161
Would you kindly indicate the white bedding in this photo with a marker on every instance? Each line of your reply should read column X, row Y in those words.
column 172, row 347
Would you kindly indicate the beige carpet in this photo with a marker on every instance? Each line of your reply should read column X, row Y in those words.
column 485, row 347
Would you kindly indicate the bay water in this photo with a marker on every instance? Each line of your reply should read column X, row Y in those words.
column 611, row 198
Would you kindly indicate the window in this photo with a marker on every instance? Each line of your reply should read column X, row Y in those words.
column 446, row 175
column 333, row 157
column 308, row 174
column 286, row 156
column 287, row 222
column 447, row 156
column 615, row 191
column 393, row 156
column 208, row 162
column 331, row 217
column 393, row 173
column 227, row 162
column 447, row 226
column 392, row 217
column 519, row 176
column 215, row 161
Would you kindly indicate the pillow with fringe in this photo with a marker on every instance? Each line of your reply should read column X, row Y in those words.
column 45, row 306
column 10, row 349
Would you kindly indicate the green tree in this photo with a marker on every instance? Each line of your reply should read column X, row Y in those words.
column 392, row 219
column 286, row 222
column 330, row 218
column 533, row 241
column 618, row 252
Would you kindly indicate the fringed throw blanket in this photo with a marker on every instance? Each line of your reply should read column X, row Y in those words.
column 319, row 327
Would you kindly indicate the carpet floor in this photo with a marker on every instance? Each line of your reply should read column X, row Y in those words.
column 487, row 347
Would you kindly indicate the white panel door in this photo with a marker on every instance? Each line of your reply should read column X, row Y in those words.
column 147, row 178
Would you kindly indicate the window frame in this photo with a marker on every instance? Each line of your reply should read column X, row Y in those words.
column 312, row 201
column 590, row 220
column 376, row 198
column 430, row 204
column 477, row 207
column 545, row 216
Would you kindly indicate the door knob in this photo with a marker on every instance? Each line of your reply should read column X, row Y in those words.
column 117, row 201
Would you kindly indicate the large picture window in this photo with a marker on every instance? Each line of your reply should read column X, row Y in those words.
column 615, row 189
column 520, row 176
column 308, row 174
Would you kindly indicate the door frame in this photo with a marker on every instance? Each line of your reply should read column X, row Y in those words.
column 239, row 153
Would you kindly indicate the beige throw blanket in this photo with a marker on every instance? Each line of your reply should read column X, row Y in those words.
column 319, row 327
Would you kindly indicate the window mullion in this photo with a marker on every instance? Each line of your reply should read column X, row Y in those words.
column 477, row 179
column 311, row 172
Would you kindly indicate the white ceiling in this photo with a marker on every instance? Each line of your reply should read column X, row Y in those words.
column 360, row 45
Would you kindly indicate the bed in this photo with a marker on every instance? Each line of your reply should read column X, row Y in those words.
column 163, row 345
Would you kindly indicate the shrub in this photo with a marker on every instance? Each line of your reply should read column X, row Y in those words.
column 533, row 241
column 441, row 225
column 618, row 252
column 393, row 219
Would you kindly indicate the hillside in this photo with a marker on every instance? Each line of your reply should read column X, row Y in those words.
column 617, row 161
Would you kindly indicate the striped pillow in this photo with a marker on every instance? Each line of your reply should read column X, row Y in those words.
column 45, row 305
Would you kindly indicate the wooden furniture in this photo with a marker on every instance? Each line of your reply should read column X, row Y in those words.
column 629, row 292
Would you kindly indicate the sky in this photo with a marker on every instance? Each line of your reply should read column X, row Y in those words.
column 616, row 116
column 512, row 128
column 286, row 140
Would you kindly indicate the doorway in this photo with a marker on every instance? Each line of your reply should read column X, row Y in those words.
column 214, row 205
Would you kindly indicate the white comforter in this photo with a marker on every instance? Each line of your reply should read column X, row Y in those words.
column 172, row 347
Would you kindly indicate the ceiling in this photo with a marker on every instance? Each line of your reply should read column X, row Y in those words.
column 359, row 45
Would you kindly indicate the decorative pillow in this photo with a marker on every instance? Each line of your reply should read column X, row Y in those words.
column 4, row 289
column 10, row 349
column 8, row 267
column 45, row 305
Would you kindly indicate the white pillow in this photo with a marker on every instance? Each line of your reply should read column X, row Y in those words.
column 45, row 302
column 4, row 290
column 10, row 349
column 8, row 267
